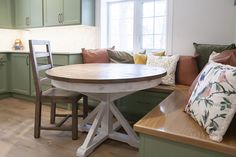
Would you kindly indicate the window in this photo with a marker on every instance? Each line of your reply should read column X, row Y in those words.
column 120, row 24
column 154, row 24
column 135, row 24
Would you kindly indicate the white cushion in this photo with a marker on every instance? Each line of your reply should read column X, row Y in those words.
column 213, row 100
column 169, row 63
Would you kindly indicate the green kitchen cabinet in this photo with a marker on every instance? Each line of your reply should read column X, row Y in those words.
column 71, row 12
column 138, row 104
column 5, row 14
column 20, row 74
column 52, row 12
column 3, row 73
column 67, row 12
column 28, row 13
column 151, row 146
column 16, row 76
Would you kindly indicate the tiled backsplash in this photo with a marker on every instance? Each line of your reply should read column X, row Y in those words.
column 63, row 39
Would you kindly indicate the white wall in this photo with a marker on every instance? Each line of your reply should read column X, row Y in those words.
column 202, row 21
column 63, row 39
column 235, row 34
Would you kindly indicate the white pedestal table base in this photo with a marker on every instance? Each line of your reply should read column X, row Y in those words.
column 103, row 126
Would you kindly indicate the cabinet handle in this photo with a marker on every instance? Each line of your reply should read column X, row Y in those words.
column 2, row 62
column 26, row 19
column 27, row 60
column 59, row 18
column 62, row 17
column 29, row 21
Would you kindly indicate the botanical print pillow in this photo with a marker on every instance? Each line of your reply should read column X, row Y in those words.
column 169, row 63
column 213, row 101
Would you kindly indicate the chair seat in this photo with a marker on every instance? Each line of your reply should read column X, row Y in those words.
column 59, row 94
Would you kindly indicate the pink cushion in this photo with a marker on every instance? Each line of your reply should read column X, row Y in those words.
column 95, row 55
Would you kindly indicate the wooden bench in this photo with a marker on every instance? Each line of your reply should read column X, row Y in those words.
column 168, row 131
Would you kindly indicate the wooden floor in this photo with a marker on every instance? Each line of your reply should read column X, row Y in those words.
column 16, row 136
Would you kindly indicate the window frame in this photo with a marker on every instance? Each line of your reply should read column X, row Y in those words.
column 102, row 24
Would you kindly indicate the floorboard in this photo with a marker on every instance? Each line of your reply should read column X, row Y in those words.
column 16, row 135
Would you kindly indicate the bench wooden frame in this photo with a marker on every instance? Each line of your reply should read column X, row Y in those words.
column 168, row 121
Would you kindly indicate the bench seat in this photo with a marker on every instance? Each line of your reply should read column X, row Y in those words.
column 169, row 121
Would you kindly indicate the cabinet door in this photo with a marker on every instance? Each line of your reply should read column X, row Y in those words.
column 136, row 105
column 36, row 13
column 71, row 12
column 28, row 13
column 3, row 74
column 53, row 12
column 20, row 74
column 5, row 14
column 22, row 13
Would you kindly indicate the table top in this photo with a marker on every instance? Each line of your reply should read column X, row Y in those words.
column 105, row 73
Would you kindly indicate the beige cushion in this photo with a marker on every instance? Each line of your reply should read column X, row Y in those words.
column 169, row 63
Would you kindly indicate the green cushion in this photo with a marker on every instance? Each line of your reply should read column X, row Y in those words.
column 204, row 51
column 120, row 56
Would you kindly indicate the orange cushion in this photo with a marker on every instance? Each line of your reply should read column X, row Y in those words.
column 95, row 55
column 187, row 70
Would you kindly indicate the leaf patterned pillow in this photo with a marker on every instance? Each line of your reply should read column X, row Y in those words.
column 213, row 101
column 169, row 63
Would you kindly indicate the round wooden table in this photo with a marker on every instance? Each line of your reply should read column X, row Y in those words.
column 106, row 83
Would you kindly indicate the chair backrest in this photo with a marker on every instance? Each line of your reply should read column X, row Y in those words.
column 40, row 49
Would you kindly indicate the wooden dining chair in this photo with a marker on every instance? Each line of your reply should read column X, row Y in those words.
column 52, row 95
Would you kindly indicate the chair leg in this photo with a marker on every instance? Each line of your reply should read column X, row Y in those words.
column 37, row 122
column 74, row 121
column 53, row 112
column 85, row 106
